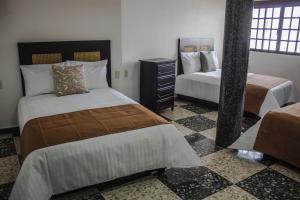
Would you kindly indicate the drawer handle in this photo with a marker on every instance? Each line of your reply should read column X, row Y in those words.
column 165, row 96
column 167, row 76
column 166, row 88
column 165, row 99
column 168, row 72
column 165, row 84
column 167, row 65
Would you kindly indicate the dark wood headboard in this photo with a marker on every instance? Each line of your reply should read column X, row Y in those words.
column 66, row 49
column 197, row 42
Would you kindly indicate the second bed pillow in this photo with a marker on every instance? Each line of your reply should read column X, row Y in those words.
column 209, row 61
column 191, row 62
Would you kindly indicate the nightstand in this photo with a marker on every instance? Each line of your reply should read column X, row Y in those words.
column 157, row 83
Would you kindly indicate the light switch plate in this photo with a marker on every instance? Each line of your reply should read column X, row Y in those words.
column 126, row 73
column 117, row 74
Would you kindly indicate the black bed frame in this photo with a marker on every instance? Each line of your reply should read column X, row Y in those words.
column 67, row 49
column 179, row 64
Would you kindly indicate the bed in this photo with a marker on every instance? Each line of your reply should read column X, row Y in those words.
column 276, row 134
column 205, row 87
column 73, row 165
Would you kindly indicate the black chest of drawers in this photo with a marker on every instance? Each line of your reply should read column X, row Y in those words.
column 157, row 83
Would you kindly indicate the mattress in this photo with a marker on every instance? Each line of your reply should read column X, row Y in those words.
column 206, row 86
column 65, row 167
column 277, row 135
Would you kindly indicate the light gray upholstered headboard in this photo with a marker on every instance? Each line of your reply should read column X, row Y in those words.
column 194, row 44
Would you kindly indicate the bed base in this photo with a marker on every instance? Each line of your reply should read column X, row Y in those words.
column 120, row 181
column 205, row 103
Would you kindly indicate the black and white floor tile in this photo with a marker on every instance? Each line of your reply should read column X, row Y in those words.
column 224, row 174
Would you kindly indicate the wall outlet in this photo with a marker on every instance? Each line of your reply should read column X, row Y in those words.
column 126, row 73
column 117, row 74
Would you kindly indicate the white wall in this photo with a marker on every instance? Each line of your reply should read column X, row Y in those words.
column 50, row 20
column 150, row 28
column 286, row 66
column 138, row 29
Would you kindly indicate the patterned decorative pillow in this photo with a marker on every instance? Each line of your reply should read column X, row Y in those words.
column 69, row 80
column 209, row 61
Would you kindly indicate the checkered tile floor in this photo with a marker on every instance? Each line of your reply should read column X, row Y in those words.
column 223, row 174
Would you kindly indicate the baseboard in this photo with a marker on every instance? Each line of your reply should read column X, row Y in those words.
column 13, row 130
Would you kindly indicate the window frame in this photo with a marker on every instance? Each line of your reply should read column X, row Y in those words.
column 282, row 4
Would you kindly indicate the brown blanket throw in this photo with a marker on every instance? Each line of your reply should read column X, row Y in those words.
column 52, row 130
column 279, row 134
column 257, row 89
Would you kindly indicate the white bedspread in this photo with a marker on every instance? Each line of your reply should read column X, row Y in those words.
column 206, row 86
column 66, row 167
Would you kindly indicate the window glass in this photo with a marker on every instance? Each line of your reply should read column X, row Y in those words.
column 267, row 34
column 252, row 44
column 253, row 33
column 276, row 27
column 259, row 44
column 274, row 35
column 298, row 48
column 295, row 23
column 291, row 46
column 277, row 12
column 296, row 12
column 262, row 12
column 286, row 23
column 254, row 23
column 269, row 12
column 283, row 46
column 293, row 35
column 266, row 44
column 275, row 24
column 285, row 35
column 288, row 11
column 255, row 13
column 261, row 23
column 273, row 45
column 260, row 34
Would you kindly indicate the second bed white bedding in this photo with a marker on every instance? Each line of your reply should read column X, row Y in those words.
column 74, row 165
column 206, row 86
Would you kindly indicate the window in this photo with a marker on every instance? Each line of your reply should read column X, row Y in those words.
column 276, row 27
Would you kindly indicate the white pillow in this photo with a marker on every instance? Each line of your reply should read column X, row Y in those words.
column 191, row 62
column 95, row 73
column 38, row 79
